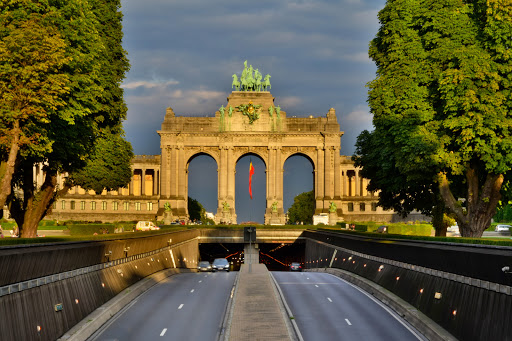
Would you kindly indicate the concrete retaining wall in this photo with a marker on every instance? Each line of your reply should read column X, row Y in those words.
column 30, row 313
column 468, row 308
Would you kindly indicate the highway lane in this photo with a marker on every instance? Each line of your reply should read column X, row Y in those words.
column 328, row 308
column 183, row 307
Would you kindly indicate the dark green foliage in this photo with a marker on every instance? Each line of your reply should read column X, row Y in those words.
column 504, row 214
column 196, row 211
column 442, row 107
column 108, row 167
column 302, row 209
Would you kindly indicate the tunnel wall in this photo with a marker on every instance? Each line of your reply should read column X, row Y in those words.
column 482, row 308
column 80, row 278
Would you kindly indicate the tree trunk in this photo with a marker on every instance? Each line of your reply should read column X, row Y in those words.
column 7, row 168
column 438, row 217
column 481, row 202
column 36, row 204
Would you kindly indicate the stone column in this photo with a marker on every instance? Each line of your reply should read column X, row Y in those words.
column 143, row 182
column 271, row 174
column 327, row 174
column 357, row 184
column 182, row 173
column 222, row 176
column 337, row 174
column 279, row 176
column 130, row 190
column 231, row 175
column 320, row 173
column 155, row 182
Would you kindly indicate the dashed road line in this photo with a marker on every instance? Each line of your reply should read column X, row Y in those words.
column 181, row 306
column 192, row 290
column 329, row 299
column 348, row 322
column 163, row 332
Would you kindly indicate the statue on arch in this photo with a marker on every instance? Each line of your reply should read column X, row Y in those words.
column 266, row 83
column 257, row 80
column 271, row 110
column 274, row 206
column 230, row 111
column 225, row 206
column 236, row 83
column 278, row 112
column 332, row 207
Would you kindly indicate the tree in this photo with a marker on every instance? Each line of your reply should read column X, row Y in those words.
column 93, row 106
column 32, row 80
column 442, row 101
column 108, row 167
column 302, row 209
column 196, row 211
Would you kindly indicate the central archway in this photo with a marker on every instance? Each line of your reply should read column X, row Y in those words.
column 250, row 209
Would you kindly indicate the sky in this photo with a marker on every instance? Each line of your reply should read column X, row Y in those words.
column 183, row 53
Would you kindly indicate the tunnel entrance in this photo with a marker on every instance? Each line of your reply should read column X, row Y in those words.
column 276, row 256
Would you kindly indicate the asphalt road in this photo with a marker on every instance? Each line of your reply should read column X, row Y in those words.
column 184, row 307
column 328, row 308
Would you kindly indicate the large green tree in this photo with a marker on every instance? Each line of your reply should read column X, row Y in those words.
column 302, row 209
column 33, row 80
column 442, row 103
column 94, row 107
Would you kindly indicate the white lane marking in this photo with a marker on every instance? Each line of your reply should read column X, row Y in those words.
column 348, row 322
column 307, row 277
column 200, row 281
column 329, row 299
column 192, row 290
column 390, row 312
column 163, row 332
column 316, row 285
column 181, row 306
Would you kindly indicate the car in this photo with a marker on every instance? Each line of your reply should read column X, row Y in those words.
column 204, row 266
column 502, row 228
column 146, row 226
column 382, row 229
column 295, row 266
column 220, row 264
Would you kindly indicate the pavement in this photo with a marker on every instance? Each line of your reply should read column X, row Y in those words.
column 257, row 310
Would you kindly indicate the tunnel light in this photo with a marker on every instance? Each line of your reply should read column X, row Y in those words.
column 103, row 285
column 350, row 258
column 397, row 278
column 421, row 291
column 136, row 267
column 343, row 259
column 38, row 329
column 76, row 300
column 148, row 263
column 454, row 313
column 438, row 295
column 364, row 266
column 381, row 267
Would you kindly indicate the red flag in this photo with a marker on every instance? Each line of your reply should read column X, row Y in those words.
column 251, row 172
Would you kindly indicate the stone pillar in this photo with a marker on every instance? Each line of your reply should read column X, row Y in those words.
column 321, row 173
column 327, row 174
column 353, row 185
column 337, row 174
column 358, row 184
column 143, row 182
column 271, row 175
column 173, row 173
column 182, row 182
column 279, row 177
column 155, row 182
column 130, row 189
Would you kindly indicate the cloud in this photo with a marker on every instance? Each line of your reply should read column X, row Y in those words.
column 148, row 84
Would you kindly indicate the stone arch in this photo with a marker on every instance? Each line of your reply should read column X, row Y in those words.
column 190, row 157
column 258, row 203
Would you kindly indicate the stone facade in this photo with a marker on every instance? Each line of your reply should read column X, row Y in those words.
column 273, row 137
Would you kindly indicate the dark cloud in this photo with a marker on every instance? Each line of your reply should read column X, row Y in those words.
column 183, row 54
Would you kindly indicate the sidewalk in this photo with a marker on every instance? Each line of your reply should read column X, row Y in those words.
column 257, row 313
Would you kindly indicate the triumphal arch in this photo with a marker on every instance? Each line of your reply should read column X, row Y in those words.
column 251, row 122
